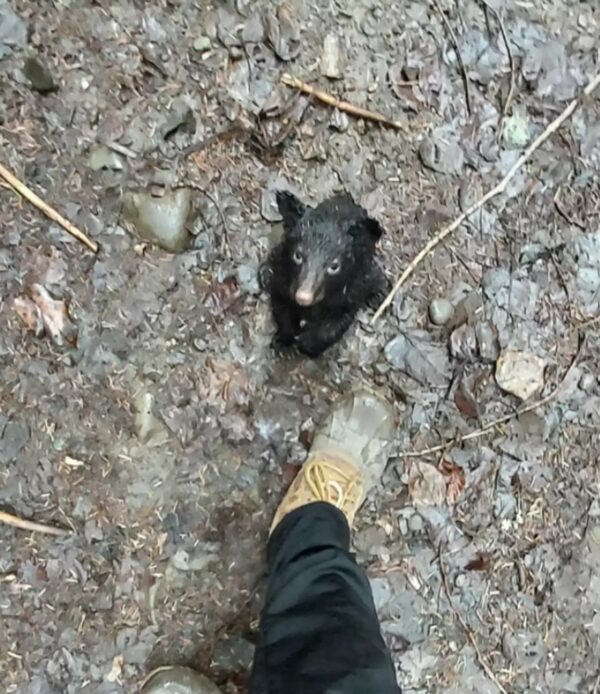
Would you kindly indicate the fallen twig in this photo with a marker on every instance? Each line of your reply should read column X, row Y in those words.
column 511, row 63
column 17, row 522
column 50, row 212
column 461, row 65
column 466, row 628
column 506, row 418
column 499, row 188
column 346, row 106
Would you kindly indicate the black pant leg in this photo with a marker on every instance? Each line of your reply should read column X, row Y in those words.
column 319, row 631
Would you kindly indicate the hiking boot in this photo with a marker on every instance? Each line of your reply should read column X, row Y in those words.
column 178, row 680
column 347, row 457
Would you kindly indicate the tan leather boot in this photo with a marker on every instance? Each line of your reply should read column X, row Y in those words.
column 178, row 680
column 347, row 457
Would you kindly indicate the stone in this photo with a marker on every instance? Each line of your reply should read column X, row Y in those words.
column 520, row 373
column 440, row 311
column 159, row 220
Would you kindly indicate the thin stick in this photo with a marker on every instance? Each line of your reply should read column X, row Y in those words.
column 50, row 212
column 461, row 65
column 346, row 106
column 17, row 522
column 507, row 417
column 499, row 188
column 467, row 629
column 511, row 62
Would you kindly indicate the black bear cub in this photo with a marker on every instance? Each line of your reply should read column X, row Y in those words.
column 322, row 271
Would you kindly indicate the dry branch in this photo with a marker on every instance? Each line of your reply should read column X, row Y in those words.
column 50, row 212
column 23, row 524
column 507, row 417
column 499, row 188
column 461, row 65
column 346, row 106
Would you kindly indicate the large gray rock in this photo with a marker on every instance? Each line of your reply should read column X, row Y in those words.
column 159, row 220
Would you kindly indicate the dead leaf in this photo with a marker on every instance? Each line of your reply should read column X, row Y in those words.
column 30, row 314
column 305, row 437
column 289, row 473
column 117, row 669
column 223, row 296
column 55, row 316
column 480, row 563
column 426, row 485
column 455, row 480
column 465, row 401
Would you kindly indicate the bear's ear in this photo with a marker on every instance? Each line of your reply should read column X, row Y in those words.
column 290, row 208
column 367, row 227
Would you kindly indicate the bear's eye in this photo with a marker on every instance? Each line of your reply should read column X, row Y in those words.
column 334, row 268
column 298, row 257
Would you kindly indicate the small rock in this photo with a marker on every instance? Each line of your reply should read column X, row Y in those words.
column 160, row 220
column 415, row 523
column 520, row 373
column 403, row 525
column 39, row 76
column 248, row 279
column 148, row 427
column 339, row 121
column 102, row 157
column 200, row 344
column 332, row 58
column 517, row 131
column 202, row 44
column 440, row 311
column 197, row 561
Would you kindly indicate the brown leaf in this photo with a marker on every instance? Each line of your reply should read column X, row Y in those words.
column 30, row 314
column 480, row 563
column 225, row 294
column 289, row 473
column 426, row 485
column 55, row 316
column 305, row 437
column 455, row 481
column 464, row 400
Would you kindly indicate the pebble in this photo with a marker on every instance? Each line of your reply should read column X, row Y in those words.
column 202, row 44
column 332, row 59
column 101, row 157
column 39, row 76
column 440, row 311
column 415, row 523
column 403, row 525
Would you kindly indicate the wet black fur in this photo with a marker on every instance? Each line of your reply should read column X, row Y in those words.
column 337, row 229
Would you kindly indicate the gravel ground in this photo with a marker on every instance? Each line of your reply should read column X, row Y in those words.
column 141, row 405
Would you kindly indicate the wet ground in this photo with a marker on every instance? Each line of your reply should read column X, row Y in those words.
column 157, row 423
